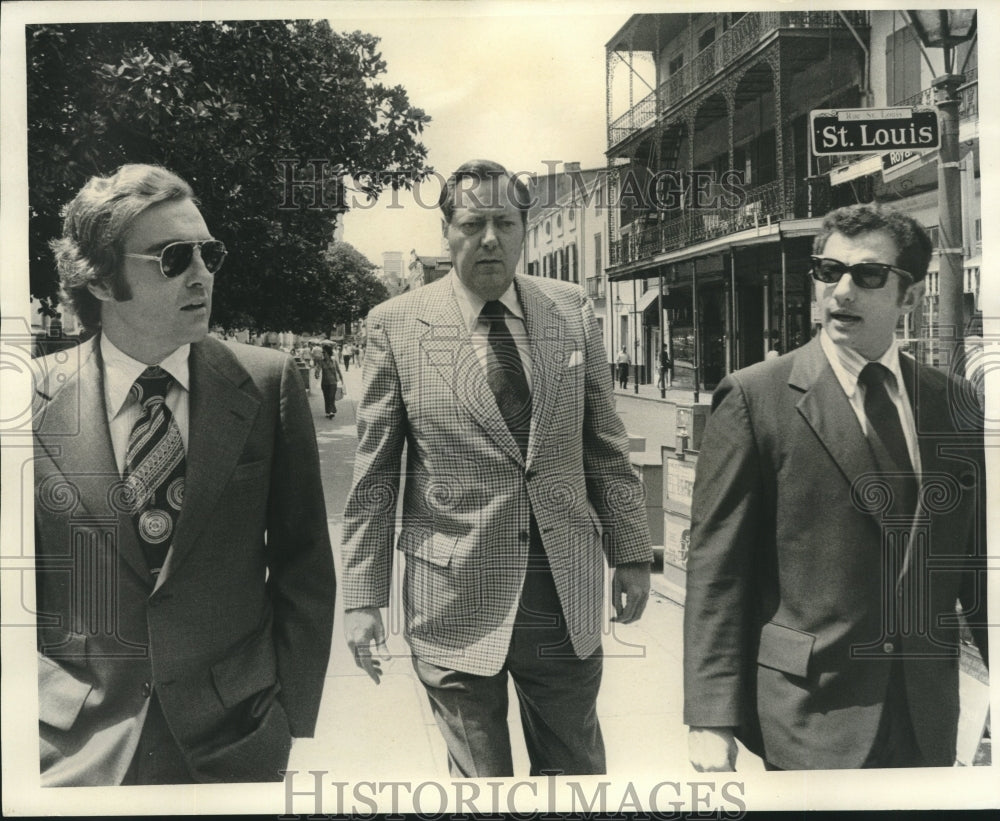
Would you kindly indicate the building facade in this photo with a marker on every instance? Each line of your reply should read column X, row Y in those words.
column 718, row 194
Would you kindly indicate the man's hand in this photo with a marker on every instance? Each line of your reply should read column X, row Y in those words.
column 712, row 749
column 363, row 626
column 631, row 583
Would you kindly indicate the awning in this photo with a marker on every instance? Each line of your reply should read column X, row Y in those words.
column 861, row 168
column 969, row 264
column 647, row 299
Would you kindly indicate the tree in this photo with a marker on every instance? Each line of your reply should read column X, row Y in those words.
column 352, row 276
column 265, row 119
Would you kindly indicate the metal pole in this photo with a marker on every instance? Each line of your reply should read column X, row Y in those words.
column 635, row 338
column 697, row 330
column 951, row 288
column 663, row 342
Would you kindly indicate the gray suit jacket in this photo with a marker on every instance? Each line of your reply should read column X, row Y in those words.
column 469, row 494
column 235, row 639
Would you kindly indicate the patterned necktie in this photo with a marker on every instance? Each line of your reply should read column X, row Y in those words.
column 154, row 467
column 885, row 434
column 505, row 375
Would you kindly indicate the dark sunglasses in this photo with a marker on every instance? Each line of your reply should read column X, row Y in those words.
column 865, row 274
column 176, row 257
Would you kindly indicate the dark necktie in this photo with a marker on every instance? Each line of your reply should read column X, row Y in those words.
column 154, row 467
column 885, row 434
column 505, row 375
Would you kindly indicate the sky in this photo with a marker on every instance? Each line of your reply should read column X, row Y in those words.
column 516, row 84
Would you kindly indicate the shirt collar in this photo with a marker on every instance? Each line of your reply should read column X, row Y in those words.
column 848, row 363
column 471, row 304
column 121, row 371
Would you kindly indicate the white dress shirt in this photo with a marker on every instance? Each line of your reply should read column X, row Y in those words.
column 471, row 306
column 120, row 373
column 847, row 365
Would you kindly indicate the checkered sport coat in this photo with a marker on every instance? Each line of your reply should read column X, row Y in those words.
column 469, row 495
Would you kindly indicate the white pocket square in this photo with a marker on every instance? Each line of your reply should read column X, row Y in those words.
column 575, row 358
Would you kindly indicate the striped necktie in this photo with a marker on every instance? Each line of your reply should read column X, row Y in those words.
column 154, row 467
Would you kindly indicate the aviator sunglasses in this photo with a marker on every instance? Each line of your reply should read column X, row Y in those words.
column 869, row 275
column 176, row 257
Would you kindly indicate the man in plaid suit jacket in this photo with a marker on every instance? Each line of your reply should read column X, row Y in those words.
column 505, row 545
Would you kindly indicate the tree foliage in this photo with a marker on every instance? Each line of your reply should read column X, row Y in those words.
column 240, row 110
column 352, row 276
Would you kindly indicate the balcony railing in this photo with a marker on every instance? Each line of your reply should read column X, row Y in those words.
column 763, row 204
column 595, row 287
column 968, row 97
column 748, row 31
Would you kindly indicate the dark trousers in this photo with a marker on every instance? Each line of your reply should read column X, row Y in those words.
column 556, row 691
column 157, row 759
column 330, row 397
column 623, row 375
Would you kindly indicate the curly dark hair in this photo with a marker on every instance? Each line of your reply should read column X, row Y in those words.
column 95, row 224
column 915, row 247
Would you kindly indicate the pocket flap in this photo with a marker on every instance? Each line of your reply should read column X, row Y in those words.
column 423, row 543
column 248, row 669
column 60, row 694
column 785, row 649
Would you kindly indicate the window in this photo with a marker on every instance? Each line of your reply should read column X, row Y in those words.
column 534, row 237
column 706, row 38
column 902, row 66
column 675, row 65
column 598, row 256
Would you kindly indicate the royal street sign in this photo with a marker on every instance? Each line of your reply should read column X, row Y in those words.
column 873, row 130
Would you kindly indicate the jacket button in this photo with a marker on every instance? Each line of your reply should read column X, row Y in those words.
column 889, row 647
column 147, row 689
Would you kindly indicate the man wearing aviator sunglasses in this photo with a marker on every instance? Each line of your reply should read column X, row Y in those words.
column 176, row 257
column 191, row 643
column 814, row 631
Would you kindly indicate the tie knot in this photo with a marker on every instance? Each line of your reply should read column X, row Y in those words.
column 493, row 310
column 153, row 383
column 874, row 374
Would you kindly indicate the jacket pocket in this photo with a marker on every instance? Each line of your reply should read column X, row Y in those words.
column 785, row 649
column 249, row 668
column 61, row 695
column 436, row 548
column 250, row 470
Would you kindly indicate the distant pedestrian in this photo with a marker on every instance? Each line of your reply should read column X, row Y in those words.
column 666, row 368
column 330, row 378
column 348, row 352
column 623, row 360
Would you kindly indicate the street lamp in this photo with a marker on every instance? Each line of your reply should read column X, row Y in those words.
column 945, row 29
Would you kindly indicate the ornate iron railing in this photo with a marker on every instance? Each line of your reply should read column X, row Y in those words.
column 745, row 34
column 762, row 205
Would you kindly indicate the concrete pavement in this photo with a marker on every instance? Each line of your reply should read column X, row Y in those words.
column 387, row 732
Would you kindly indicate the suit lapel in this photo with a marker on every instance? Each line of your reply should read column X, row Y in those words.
column 446, row 344
column 223, row 407
column 72, row 429
column 827, row 410
column 546, row 329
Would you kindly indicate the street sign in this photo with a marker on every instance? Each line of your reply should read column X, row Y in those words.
column 873, row 130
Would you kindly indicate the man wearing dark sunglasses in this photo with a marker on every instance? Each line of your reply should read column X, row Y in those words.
column 184, row 575
column 838, row 516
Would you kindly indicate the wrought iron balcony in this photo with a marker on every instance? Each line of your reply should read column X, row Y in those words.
column 747, row 33
column 595, row 287
column 968, row 97
column 763, row 205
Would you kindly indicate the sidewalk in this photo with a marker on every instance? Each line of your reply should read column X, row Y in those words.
column 388, row 733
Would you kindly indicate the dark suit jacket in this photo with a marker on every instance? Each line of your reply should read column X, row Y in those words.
column 235, row 639
column 791, row 614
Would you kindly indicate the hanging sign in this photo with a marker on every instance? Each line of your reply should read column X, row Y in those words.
column 873, row 130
